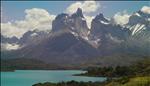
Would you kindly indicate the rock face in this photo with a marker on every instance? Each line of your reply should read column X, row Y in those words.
column 62, row 48
column 139, row 22
column 107, row 36
column 75, row 23
column 138, row 41
column 71, row 41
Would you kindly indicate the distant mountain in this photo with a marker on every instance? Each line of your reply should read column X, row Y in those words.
column 9, row 40
column 31, row 37
column 72, row 42
column 27, row 38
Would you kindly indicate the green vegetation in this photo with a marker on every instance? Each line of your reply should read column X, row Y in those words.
column 140, row 68
column 137, row 74
column 136, row 81
column 70, row 83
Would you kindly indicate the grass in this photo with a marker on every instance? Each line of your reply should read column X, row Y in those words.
column 136, row 81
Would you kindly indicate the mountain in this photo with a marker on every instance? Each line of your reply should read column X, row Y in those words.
column 75, row 23
column 139, row 22
column 71, row 42
column 61, row 48
column 66, row 43
column 139, row 40
column 31, row 37
column 106, row 35
column 9, row 40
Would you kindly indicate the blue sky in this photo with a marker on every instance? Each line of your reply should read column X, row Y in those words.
column 15, row 9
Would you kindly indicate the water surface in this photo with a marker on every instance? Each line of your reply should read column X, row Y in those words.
column 30, row 77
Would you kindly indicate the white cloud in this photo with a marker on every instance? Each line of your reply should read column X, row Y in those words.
column 121, row 18
column 146, row 9
column 10, row 30
column 35, row 19
column 8, row 46
column 86, row 6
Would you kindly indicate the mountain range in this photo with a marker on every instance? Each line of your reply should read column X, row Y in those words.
column 71, row 41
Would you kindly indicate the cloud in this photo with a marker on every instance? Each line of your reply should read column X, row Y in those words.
column 121, row 18
column 146, row 9
column 10, row 30
column 35, row 19
column 86, row 6
column 89, row 20
column 8, row 46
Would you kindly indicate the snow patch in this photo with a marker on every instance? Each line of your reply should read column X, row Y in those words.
column 104, row 22
column 86, row 38
column 137, row 28
column 137, row 14
column 34, row 34
column 75, row 34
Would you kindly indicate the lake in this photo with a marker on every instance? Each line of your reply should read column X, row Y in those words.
column 30, row 77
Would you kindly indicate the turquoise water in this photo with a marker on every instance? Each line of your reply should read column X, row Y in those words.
column 30, row 77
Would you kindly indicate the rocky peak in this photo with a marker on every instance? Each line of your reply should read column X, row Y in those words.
column 74, row 23
column 100, row 17
column 61, row 16
column 60, row 22
column 139, row 17
column 78, row 13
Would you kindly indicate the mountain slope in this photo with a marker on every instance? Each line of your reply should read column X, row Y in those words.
column 62, row 48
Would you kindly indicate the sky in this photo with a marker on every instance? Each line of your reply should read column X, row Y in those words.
column 15, row 9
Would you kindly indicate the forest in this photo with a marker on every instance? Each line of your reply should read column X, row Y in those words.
column 137, row 74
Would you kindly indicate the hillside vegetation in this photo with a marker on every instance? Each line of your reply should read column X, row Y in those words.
column 26, row 64
column 137, row 74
